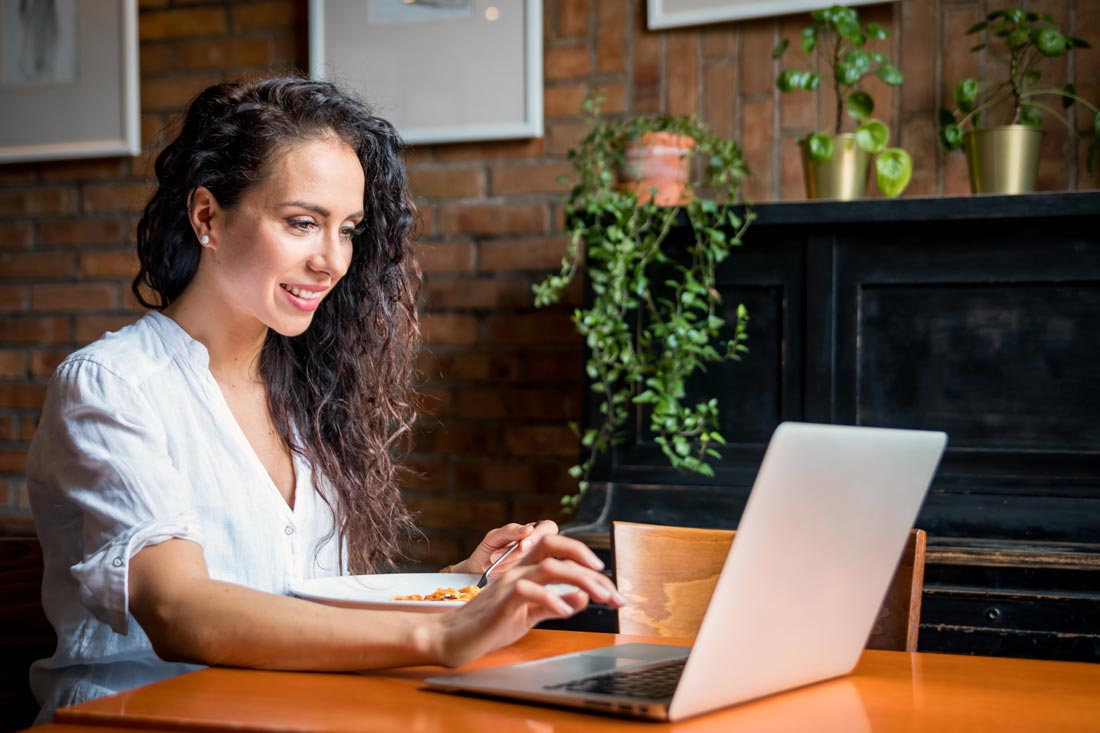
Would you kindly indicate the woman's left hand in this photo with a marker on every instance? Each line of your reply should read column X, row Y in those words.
column 497, row 542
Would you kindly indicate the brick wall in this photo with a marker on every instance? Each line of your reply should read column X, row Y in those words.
column 501, row 380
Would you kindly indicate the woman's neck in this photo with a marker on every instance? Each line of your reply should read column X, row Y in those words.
column 232, row 341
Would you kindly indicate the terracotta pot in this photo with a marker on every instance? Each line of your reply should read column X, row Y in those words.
column 660, row 162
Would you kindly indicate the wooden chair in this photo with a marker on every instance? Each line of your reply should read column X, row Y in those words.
column 25, row 633
column 668, row 574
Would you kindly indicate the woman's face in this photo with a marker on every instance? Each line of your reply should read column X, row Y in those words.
column 287, row 243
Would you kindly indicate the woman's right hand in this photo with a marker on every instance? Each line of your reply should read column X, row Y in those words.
column 511, row 604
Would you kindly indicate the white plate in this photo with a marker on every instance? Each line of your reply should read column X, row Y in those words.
column 378, row 591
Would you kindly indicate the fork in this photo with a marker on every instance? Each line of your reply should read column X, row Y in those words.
column 485, row 576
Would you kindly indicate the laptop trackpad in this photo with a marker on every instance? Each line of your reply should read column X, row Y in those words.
column 599, row 661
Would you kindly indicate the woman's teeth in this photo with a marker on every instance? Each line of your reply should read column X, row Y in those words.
column 303, row 294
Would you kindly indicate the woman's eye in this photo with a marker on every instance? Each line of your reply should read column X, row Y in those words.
column 302, row 225
column 349, row 232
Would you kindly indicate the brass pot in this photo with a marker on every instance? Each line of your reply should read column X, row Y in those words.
column 1003, row 159
column 843, row 176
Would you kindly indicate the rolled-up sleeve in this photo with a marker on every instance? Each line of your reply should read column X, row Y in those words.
column 108, row 457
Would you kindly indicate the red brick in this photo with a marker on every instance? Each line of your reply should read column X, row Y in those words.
column 158, row 58
column 517, row 180
column 542, row 327
column 566, row 62
column 109, row 197
column 477, row 293
column 172, row 94
column 249, row 17
column 73, row 297
column 541, row 366
column 459, row 512
column 561, row 137
column 446, row 256
column 445, row 328
column 16, row 235
column 719, row 82
column 541, row 440
column 24, row 330
column 920, row 19
column 757, row 69
column 79, row 232
column 919, row 137
column 154, row 129
column 531, row 148
column 683, row 73
column 18, row 173
column 40, row 265
column 956, row 59
column 531, row 253
column 83, row 170
column 8, row 432
column 646, row 66
column 442, row 182
column 493, row 218
column 13, row 461
column 469, row 366
column 792, row 184
column 22, row 396
column 458, row 438
column 12, row 298
column 12, row 364
column 236, row 52
column 434, row 402
column 90, row 328
column 37, row 201
column 425, row 224
column 508, row 477
column 573, row 18
column 424, row 474
column 162, row 24
column 45, row 361
column 720, row 42
column 563, row 100
column 613, row 95
column 611, row 23
column 758, row 139
column 525, row 403
column 109, row 264
column 27, row 427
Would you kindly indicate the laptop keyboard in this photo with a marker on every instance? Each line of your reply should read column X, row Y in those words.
column 657, row 682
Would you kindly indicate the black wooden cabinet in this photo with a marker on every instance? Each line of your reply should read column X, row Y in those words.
column 977, row 315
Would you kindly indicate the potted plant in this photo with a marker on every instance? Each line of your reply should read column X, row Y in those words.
column 653, row 317
column 1004, row 158
column 837, row 164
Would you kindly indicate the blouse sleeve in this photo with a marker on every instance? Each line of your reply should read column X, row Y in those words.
column 107, row 454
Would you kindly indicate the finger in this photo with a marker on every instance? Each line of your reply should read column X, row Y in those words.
column 556, row 604
column 565, row 547
column 553, row 570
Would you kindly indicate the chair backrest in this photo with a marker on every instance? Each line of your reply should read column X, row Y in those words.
column 668, row 574
column 25, row 633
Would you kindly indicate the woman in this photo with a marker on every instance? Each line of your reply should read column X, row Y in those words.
column 237, row 438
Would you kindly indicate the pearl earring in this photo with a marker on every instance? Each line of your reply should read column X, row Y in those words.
column 205, row 239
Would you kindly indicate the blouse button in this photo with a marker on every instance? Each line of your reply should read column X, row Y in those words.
column 117, row 562
column 289, row 530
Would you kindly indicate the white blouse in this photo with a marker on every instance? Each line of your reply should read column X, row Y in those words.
column 136, row 445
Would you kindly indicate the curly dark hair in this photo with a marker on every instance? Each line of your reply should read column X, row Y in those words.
column 340, row 393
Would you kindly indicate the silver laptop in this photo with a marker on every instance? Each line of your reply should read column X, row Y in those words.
column 816, row 547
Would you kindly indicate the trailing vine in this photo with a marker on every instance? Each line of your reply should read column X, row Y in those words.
column 654, row 318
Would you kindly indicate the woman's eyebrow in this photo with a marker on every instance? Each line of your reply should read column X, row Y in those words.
column 320, row 210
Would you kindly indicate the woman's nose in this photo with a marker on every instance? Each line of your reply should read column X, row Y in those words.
column 332, row 257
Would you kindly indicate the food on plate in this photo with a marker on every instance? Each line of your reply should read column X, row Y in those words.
column 443, row 594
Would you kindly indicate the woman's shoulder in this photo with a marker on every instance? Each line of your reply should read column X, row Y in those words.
column 134, row 354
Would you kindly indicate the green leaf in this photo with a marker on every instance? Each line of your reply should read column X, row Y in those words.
column 1031, row 116
column 780, row 48
column 848, row 74
column 1096, row 125
column 1068, row 93
column 890, row 74
column 860, row 105
column 820, row 146
column 966, row 91
column 872, row 136
column 811, row 81
column 1078, row 42
column 893, row 169
column 979, row 47
column 789, row 80
column 1050, row 42
column 809, row 39
column 977, row 27
column 876, row 31
column 848, row 28
column 946, row 117
column 859, row 59
column 1018, row 37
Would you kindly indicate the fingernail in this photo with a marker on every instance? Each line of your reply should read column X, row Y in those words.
column 617, row 598
column 563, row 607
column 598, row 565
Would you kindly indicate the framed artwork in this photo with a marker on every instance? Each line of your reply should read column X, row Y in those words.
column 68, row 79
column 674, row 13
column 439, row 70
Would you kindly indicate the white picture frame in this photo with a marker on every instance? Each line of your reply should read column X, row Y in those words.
column 441, row 73
column 69, row 80
column 661, row 14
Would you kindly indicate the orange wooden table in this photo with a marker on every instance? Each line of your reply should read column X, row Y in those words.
column 889, row 691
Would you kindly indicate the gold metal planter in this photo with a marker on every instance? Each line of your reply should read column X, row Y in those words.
column 1003, row 159
column 844, row 176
